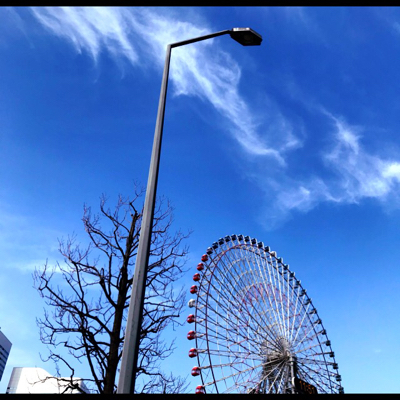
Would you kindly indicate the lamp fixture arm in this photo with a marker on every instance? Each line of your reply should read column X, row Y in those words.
column 198, row 39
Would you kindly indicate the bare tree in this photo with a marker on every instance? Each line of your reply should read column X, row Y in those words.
column 88, row 297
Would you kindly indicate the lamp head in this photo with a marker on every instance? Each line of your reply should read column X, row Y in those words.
column 246, row 36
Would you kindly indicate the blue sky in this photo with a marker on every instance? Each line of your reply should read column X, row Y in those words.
column 294, row 142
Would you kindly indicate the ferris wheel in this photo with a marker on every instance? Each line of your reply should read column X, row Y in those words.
column 254, row 328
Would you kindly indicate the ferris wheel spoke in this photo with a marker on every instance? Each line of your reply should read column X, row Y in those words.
column 289, row 293
column 233, row 352
column 249, row 313
column 225, row 306
column 258, row 386
column 234, row 332
column 296, row 313
column 278, row 284
column 263, row 265
column 265, row 376
column 314, row 359
column 311, row 354
column 228, row 346
column 304, row 349
column 306, row 335
column 240, row 319
column 232, row 364
column 238, row 283
column 284, row 288
column 228, row 342
column 237, row 354
column 273, row 309
column 292, row 301
column 243, row 282
column 321, row 383
column 272, row 286
column 238, row 326
column 315, row 368
column 293, row 339
column 312, row 333
column 321, row 371
column 321, row 363
column 247, row 270
column 239, row 372
column 212, row 334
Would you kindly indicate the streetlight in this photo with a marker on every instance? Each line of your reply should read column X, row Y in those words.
column 126, row 383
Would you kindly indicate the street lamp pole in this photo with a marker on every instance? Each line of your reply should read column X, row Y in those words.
column 130, row 352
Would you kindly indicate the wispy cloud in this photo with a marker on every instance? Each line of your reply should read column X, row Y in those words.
column 202, row 70
column 351, row 174
column 360, row 173
column 89, row 29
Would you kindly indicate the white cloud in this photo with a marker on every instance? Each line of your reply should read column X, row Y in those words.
column 89, row 29
column 140, row 35
column 287, row 195
column 201, row 70
column 351, row 174
column 361, row 174
column 303, row 196
column 392, row 171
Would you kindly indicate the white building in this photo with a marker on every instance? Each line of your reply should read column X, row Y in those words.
column 5, row 347
column 37, row 380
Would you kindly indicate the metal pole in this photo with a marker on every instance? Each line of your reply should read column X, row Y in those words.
column 293, row 375
column 130, row 351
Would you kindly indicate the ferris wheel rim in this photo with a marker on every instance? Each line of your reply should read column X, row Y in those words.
column 281, row 274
